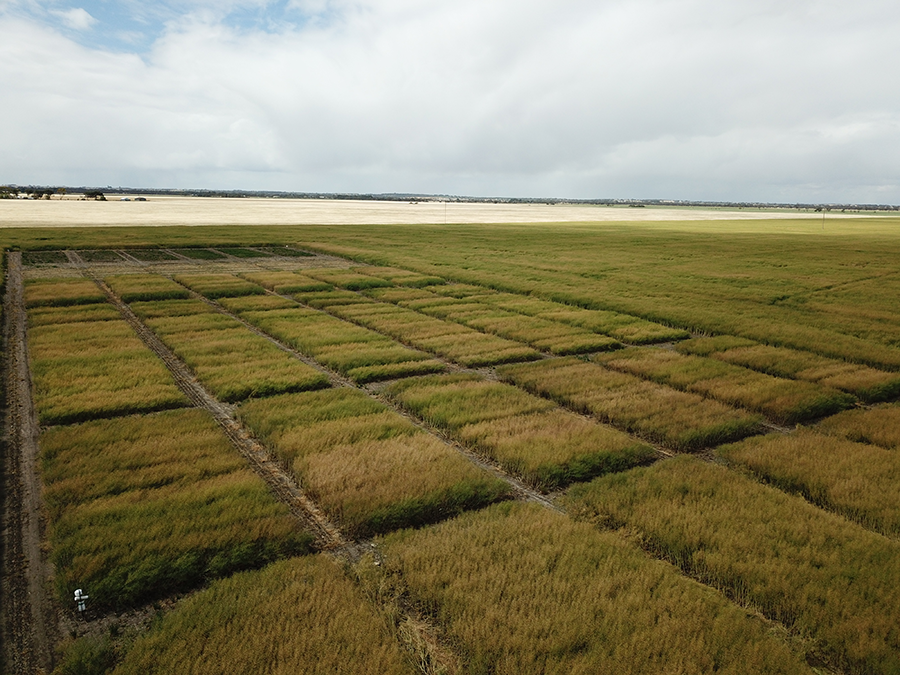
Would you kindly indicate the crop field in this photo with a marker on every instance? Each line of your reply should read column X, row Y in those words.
column 638, row 447
column 143, row 506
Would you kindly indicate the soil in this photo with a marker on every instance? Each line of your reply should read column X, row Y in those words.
column 30, row 614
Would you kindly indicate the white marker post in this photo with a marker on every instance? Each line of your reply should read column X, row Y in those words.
column 80, row 601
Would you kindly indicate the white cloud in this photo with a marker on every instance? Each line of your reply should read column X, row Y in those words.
column 752, row 99
column 76, row 18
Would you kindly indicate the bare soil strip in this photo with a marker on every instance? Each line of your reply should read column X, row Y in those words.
column 30, row 614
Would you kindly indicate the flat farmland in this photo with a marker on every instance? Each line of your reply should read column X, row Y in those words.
column 642, row 446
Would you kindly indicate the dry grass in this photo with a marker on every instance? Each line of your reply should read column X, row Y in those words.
column 156, row 309
column 145, row 506
column 679, row 420
column 787, row 401
column 255, row 303
column 529, row 436
column 135, row 287
column 879, row 426
column 869, row 384
column 816, row 572
column 93, row 369
column 368, row 467
column 521, row 589
column 61, row 292
column 859, row 481
column 298, row 616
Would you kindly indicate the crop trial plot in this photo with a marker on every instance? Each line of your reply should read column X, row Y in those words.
column 350, row 279
column 286, row 283
column 858, row 480
column 521, row 589
column 145, row 287
column 677, row 419
column 549, row 336
column 787, row 401
column 878, row 426
column 297, row 616
column 817, row 573
column 219, row 285
column 98, row 311
column 369, row 467
column 452, row 341
column 231, row 360
column 359, row 353
column 869, row 384
column 529, row 436
column 62, row 292
column 400, row 277
column 88, row 369
column 146, row 505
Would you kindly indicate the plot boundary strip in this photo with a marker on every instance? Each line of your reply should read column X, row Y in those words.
column 28, row 632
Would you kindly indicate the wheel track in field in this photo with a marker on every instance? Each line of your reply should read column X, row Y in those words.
column 30, row 613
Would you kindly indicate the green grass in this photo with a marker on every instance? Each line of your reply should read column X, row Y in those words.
column 679, row 420
column 521, row 589
column 784, row 400
column 239, row 252
column 100, row 256
column 857, row 480
column 529, row 436
column 285, row 251
column 145, row 506
column 31, row 258
column 145, row 287
column 151, row 255
column 817, row 573
column 298, row 616
column 368, row 467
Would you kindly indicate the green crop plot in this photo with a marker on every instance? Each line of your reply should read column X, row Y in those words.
column 680, row 420
column 145, row 287
column 878, row 426
column 219, row 285
column 352, row 280
column 358, row 353
column 143, row 506
column 62, row 292
column 231, row 360
column 857, row 480
column 521, row 589
column 815, row 572
column 43, row 316
column 529, row 436
column 867, row 383
column 370, row 468
column 787, row 401
column 400, row 277
column 90, row 369
column 452, row 341
column 286, row 282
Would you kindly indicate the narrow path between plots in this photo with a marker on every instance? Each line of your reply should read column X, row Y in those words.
column 29, row 610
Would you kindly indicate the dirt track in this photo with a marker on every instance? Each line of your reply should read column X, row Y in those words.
column 30, row 615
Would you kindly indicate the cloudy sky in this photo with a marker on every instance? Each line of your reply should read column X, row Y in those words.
column 681, row 99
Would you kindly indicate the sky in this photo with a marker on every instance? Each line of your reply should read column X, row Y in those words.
column 744, row 100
